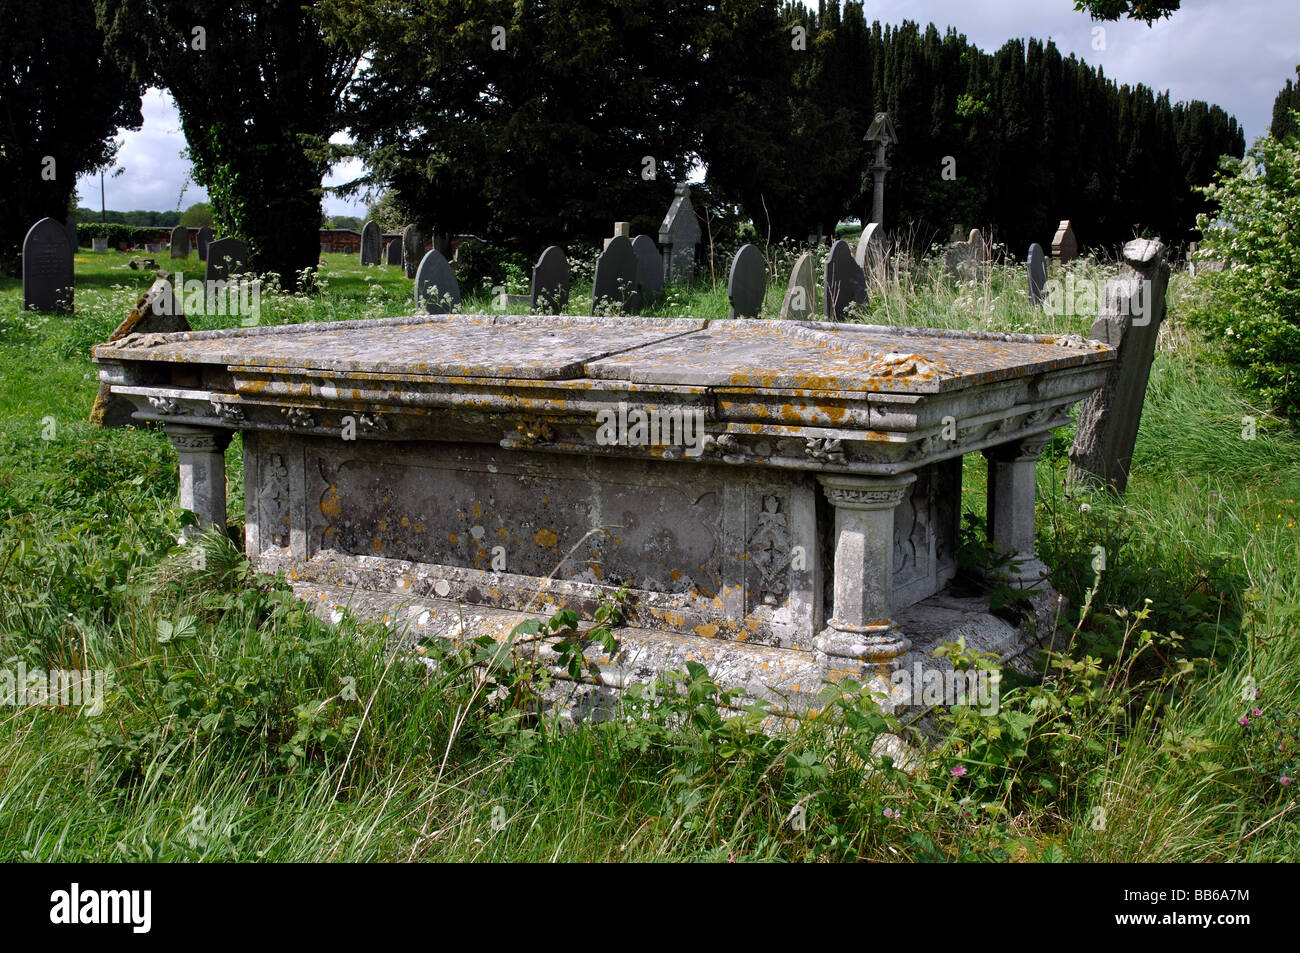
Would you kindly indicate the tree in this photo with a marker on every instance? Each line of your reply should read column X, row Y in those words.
column 526, row 123
column 197, row 215
column 1148, row 11
column 62, row 98
column 1284, row 122
column 259, row 89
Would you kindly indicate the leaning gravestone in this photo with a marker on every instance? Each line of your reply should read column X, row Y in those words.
column 870, row 254
column 412, row 249
column 158, row 311
column 180, row 242
column 47, row 268
column 843, row 281
column 747, row 282
column 1065, row 247
column 370, row 239
column 615, row 281
column 436, row 288
column 679, row 233
column 393, row 252
column 1132, row 308
column 226, row 257
column 550, row 294
column 649, row 268
column 800, row 302
column 1036, row 264
column 202, row 240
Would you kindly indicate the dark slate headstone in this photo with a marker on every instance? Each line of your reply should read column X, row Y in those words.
column 158, row 311
column 747, row 283
column 393, row 252
column 800, row 302
column 226, row 257
column 47, row 267
column 412, row 249
column 615, row 280
column 436, row 288
column 202, row 240
column 550, row 293
column 843, row 282
column 649, row 268
column 180, row 242
column 1132, row 309
column 1036, row 263
column 370, row 243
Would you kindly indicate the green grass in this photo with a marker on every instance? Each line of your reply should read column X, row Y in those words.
column 238, row 726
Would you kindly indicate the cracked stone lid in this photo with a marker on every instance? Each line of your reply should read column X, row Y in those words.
column 670, row 351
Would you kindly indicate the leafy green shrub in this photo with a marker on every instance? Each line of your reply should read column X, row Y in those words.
column 481, row 266
column 1256, row 299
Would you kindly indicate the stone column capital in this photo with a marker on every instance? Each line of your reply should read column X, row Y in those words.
column 187, row 439
column 851, row 492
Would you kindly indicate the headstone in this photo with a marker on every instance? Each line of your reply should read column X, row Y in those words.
column 747, row 283
column 153, row 248
column 47, row 267
column 679, row 234
column 550, row 293
column 1036, row 264
column 180, row 242
column 436, row 288
column 202, row 240
column 979, row 248
column 393, row 252
column 99, row 244
column 621, row 230
column 843, row 282
column 963, row 258
column 158, row 311
column 370, row 243
column 412, row 249
column 1065, row 247
column 226, row 257
column 1132, row 308
column 615, row 281
column 800, row 302
column 870, row 254
column 649, row 268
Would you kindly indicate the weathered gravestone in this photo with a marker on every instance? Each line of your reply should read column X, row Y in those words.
column 412, row 249
column 1132, row 308
column 99, row 244
column 870, row 254
column 800, row 302
column 1065, row 247
column 615, row 281
column 649, row 269
column 180, row 242
column 962, row 259
column 202, row 240
column 47, row 268
column 436, row 288
column 1036, row 265
column 679, row 234
column 158, row 311
column 226, row 257
column 393, row 252
column 842, row 280
column 550, row 293
column 370, row 243
column 747, row 282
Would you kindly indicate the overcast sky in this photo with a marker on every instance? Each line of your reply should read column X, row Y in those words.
column 1236, row 53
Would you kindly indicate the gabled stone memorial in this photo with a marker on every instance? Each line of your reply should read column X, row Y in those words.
column 679, row 233
column 783, row 499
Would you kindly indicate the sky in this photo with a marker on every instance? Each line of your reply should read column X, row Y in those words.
column 1236, row 53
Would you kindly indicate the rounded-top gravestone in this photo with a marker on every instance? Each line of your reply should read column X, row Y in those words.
column 843, row 281
column 47, row 267
column 370, row 239
column 202, row 240
column 226, row 257
column 393, row 252
column 180, row 242
column 615, row 281
column 436, row 288
column 649, row 268
column 747, row 282
column 1036, row 265
column 801, row 295
column 550, row 293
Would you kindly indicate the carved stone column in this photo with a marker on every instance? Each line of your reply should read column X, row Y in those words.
column 860, row 631
column 1011, row 489
column 202, row 452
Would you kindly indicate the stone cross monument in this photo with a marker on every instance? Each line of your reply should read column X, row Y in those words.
column 882, row 135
